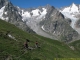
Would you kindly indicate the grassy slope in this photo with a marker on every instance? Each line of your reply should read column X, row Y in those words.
column 14, row 50
column 76, row 45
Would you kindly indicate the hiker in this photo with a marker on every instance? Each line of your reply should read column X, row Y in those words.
column 36, row 44
column 26, row 44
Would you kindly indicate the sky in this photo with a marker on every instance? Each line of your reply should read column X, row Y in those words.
column 36, row 3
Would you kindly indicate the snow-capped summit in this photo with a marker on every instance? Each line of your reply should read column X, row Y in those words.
column 72, row 12
column 72, row 9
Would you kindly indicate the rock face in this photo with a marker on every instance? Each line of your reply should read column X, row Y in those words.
column 44, row 20
column 78, row 24
column 2, row 3
column 58, row 26
column 72, row 12
column 11, row 15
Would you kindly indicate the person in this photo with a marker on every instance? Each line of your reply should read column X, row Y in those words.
column 26, row 44
column 36, row 44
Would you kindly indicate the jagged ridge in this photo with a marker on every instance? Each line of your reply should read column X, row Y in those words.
column 42, row 20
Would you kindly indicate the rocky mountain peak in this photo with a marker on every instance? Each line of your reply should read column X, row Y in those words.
column 10, row 14
column 54, row 13
column 3, row 3
column 73, row 4
column 71, row 9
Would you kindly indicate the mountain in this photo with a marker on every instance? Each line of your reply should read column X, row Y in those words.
column 12, row 46
column 10, row 14
column 58, row 26
column 46, row 21
column 72, row 12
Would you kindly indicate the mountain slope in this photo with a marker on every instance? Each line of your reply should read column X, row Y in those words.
column 46, row 21
column 72, row 12
column 13, row 48
column 10, row 14
column 56, row 24
column 43, row 23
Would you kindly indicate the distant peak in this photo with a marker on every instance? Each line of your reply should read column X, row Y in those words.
column 73, row 4
column 3, row 3
column 48, row 5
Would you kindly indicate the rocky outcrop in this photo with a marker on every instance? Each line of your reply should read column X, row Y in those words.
column 78, row 24
column 3, row 3
column 12, row 15
column 58, row 26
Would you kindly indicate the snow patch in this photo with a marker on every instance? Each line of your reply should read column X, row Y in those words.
column 1, row 12
column 43, row 27
column 67, row 9
column 11, row 36
column 36, row 12
column 19, row 13
column 5, row 13
column 73, row 19
column 74, row 8
column 43, row 14
column 44, row 11
column 25, row 15
column 71, row 9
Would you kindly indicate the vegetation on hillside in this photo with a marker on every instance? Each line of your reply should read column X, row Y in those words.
column 13, row 49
